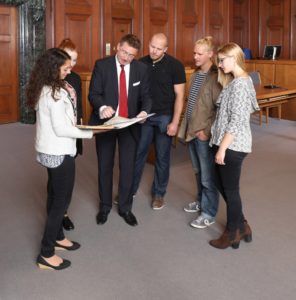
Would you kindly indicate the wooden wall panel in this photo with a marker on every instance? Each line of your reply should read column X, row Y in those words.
column 285, row 76
column 274, row 25
column 78, row 20
column 159, row 17
column 240, row 31
column 217, row 20
column 293, row 30
column 189, row 14
column 119, row 18
column 9, row 104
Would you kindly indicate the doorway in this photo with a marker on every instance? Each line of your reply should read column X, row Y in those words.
column 9, row 79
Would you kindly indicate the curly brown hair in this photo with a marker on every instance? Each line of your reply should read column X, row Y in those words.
column 46, row 71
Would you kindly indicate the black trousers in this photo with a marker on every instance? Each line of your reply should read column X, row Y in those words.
column 59, row 193
column 227, row 181
column 106, row 146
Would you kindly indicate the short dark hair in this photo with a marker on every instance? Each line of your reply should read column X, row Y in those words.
column 132, row 41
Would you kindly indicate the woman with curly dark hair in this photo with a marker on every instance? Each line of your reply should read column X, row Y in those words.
column 56, row 148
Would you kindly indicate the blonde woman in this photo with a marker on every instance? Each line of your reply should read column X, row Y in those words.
column 232, row 140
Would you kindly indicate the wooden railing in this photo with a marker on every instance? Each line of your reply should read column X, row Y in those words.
column 281, row 73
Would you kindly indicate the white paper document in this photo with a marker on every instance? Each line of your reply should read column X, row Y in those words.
column 116, row 122
column 120, row 122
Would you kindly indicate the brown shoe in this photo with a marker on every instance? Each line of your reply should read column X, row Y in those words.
column 157, row 203
column 226, row 240
column 246, row 233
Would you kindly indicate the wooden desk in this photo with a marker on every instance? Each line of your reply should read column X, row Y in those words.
column 269, row 98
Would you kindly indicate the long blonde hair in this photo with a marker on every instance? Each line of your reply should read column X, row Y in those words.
column 234, row 50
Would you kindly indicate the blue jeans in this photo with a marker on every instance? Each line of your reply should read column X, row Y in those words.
column 154, row 130
column 203, row 163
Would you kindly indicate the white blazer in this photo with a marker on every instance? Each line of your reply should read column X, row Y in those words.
column 55, row 124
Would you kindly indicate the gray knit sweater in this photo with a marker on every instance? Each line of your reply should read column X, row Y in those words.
column 236, row 103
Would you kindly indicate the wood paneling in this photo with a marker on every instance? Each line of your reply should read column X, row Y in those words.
column 274, row 25
column 240, row 29
column 285, row 76
column 293, row 30
column 281, row 73
column 189, row 28
column 119, row 18
column 217, row 20
column 78, row 20
column 97, row 25
column 9, row 110
column 159, row 17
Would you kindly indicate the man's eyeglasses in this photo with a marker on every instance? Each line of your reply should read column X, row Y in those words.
column 125, row 53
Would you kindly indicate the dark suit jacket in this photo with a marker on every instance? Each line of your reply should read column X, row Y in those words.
column 75, row 80
column 103, row 88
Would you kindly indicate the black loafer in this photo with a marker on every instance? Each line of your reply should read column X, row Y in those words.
column 43, row 264
column 75, row 246
column 129, row 218
column 67, row 223
column 102, row 218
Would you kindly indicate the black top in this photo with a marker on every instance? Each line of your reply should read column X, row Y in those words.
column 164, row 74
column 75, row 81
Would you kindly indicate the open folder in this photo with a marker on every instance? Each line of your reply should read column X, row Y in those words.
column 116, row 122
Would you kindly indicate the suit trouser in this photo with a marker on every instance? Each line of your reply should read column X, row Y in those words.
column 59, row 193
column 106, row 146
column 228, row 178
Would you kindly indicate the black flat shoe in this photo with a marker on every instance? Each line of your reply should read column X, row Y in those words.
column 43, row 264
column 102, row 218
column 129, row 218
column 67, row 223
column 75, row 246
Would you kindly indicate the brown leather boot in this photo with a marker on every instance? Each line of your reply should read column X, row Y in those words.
column 246, row 232
column 227, row 239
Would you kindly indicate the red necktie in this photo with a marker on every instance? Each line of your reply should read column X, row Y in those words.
column 123, row 110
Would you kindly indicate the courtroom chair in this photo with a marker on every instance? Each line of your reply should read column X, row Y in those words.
column 255, row 76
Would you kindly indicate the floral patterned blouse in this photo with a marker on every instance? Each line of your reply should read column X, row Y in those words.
column 236, row 103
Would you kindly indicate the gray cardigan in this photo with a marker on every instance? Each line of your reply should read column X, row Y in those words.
column 236, row 103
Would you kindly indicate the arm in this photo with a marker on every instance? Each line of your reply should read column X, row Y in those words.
column 61, row 126
column 96, row 93
column 226, row 142
column 178, row 108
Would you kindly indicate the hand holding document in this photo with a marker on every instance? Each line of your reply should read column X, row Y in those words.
column 116, row 122
column 121, row 122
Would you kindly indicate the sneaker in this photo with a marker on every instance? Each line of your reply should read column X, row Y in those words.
column 192, row 207
column 202, row 222
column 157, row 203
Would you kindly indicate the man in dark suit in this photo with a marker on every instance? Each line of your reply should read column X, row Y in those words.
column 105, row 93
